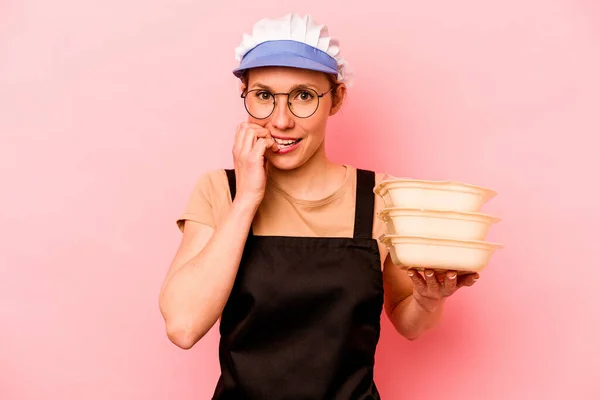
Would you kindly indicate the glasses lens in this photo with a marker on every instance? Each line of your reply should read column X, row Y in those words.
column 304, row 102
column 259, row 103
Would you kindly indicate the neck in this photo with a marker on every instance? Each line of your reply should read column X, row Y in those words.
column 316, row 179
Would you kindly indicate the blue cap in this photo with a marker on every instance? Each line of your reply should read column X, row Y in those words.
column 287, row 53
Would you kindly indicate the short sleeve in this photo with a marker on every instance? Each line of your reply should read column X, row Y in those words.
column 207, row 200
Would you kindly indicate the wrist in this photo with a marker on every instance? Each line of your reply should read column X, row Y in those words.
column 246, row 204
column 428, row 305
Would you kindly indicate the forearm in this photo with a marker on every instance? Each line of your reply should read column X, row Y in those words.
column 195, row 296
column 411, row 319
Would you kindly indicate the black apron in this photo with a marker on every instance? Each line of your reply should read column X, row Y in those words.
column 303, row 318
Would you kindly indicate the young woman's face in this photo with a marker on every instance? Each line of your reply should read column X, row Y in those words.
column 300, row 138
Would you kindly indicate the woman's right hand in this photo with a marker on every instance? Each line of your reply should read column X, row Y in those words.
column 251, row 143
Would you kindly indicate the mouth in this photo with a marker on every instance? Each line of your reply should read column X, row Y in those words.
column 286, row 143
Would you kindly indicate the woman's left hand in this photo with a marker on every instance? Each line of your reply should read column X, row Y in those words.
column 432, row 288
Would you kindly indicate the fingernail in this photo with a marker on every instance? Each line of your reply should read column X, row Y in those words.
column 429, row 273
column 452, row 275
column 410, row 273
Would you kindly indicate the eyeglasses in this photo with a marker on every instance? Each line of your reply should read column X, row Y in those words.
column 302, row 102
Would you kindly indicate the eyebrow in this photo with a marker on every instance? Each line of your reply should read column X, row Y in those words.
column 298, row 86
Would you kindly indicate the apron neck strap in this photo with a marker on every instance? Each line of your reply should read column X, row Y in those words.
column 365, row 204
column 231, row 179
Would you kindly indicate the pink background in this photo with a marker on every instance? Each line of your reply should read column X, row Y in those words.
column 109, row 111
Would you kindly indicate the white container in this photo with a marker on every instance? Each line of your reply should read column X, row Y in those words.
column 439, row 254
column 432, row 195
column 439, row 224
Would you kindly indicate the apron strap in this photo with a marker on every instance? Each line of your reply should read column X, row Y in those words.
column 365, row 204
column 231, row 179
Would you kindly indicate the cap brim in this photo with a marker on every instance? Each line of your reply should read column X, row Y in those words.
column 284, row 60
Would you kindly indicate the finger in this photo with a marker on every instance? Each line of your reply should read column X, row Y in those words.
column 431, row 280
column 249, row 137
column 262, row 133
column 418, row 280
column 260, row 147
column 441, row 277
column 450, row 281
column 467, row 280
column 270, row 143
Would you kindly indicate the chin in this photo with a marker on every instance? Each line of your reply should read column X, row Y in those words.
column 285, row 162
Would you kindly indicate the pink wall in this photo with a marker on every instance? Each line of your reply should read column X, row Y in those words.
column 110, row 109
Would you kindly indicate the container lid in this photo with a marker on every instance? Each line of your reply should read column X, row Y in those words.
column 406, row 239
column 453, row 186
column 386, row 213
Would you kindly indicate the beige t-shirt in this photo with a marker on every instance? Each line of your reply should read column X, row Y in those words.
column 280, row 214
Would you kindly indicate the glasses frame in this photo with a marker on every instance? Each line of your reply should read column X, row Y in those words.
column 289, row 104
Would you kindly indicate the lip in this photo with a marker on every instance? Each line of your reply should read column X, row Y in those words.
column 289, row 149
column 283, row 137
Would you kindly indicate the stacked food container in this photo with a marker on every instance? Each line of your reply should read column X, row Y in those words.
column 436, row 224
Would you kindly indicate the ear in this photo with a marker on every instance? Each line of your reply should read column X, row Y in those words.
column 338, row 98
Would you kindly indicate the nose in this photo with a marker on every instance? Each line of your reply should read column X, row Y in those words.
column 282, row 117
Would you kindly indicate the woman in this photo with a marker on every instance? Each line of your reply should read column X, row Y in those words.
column 283, row 248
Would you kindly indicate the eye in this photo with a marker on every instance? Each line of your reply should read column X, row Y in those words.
column 263, row 95
column 304, row 95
